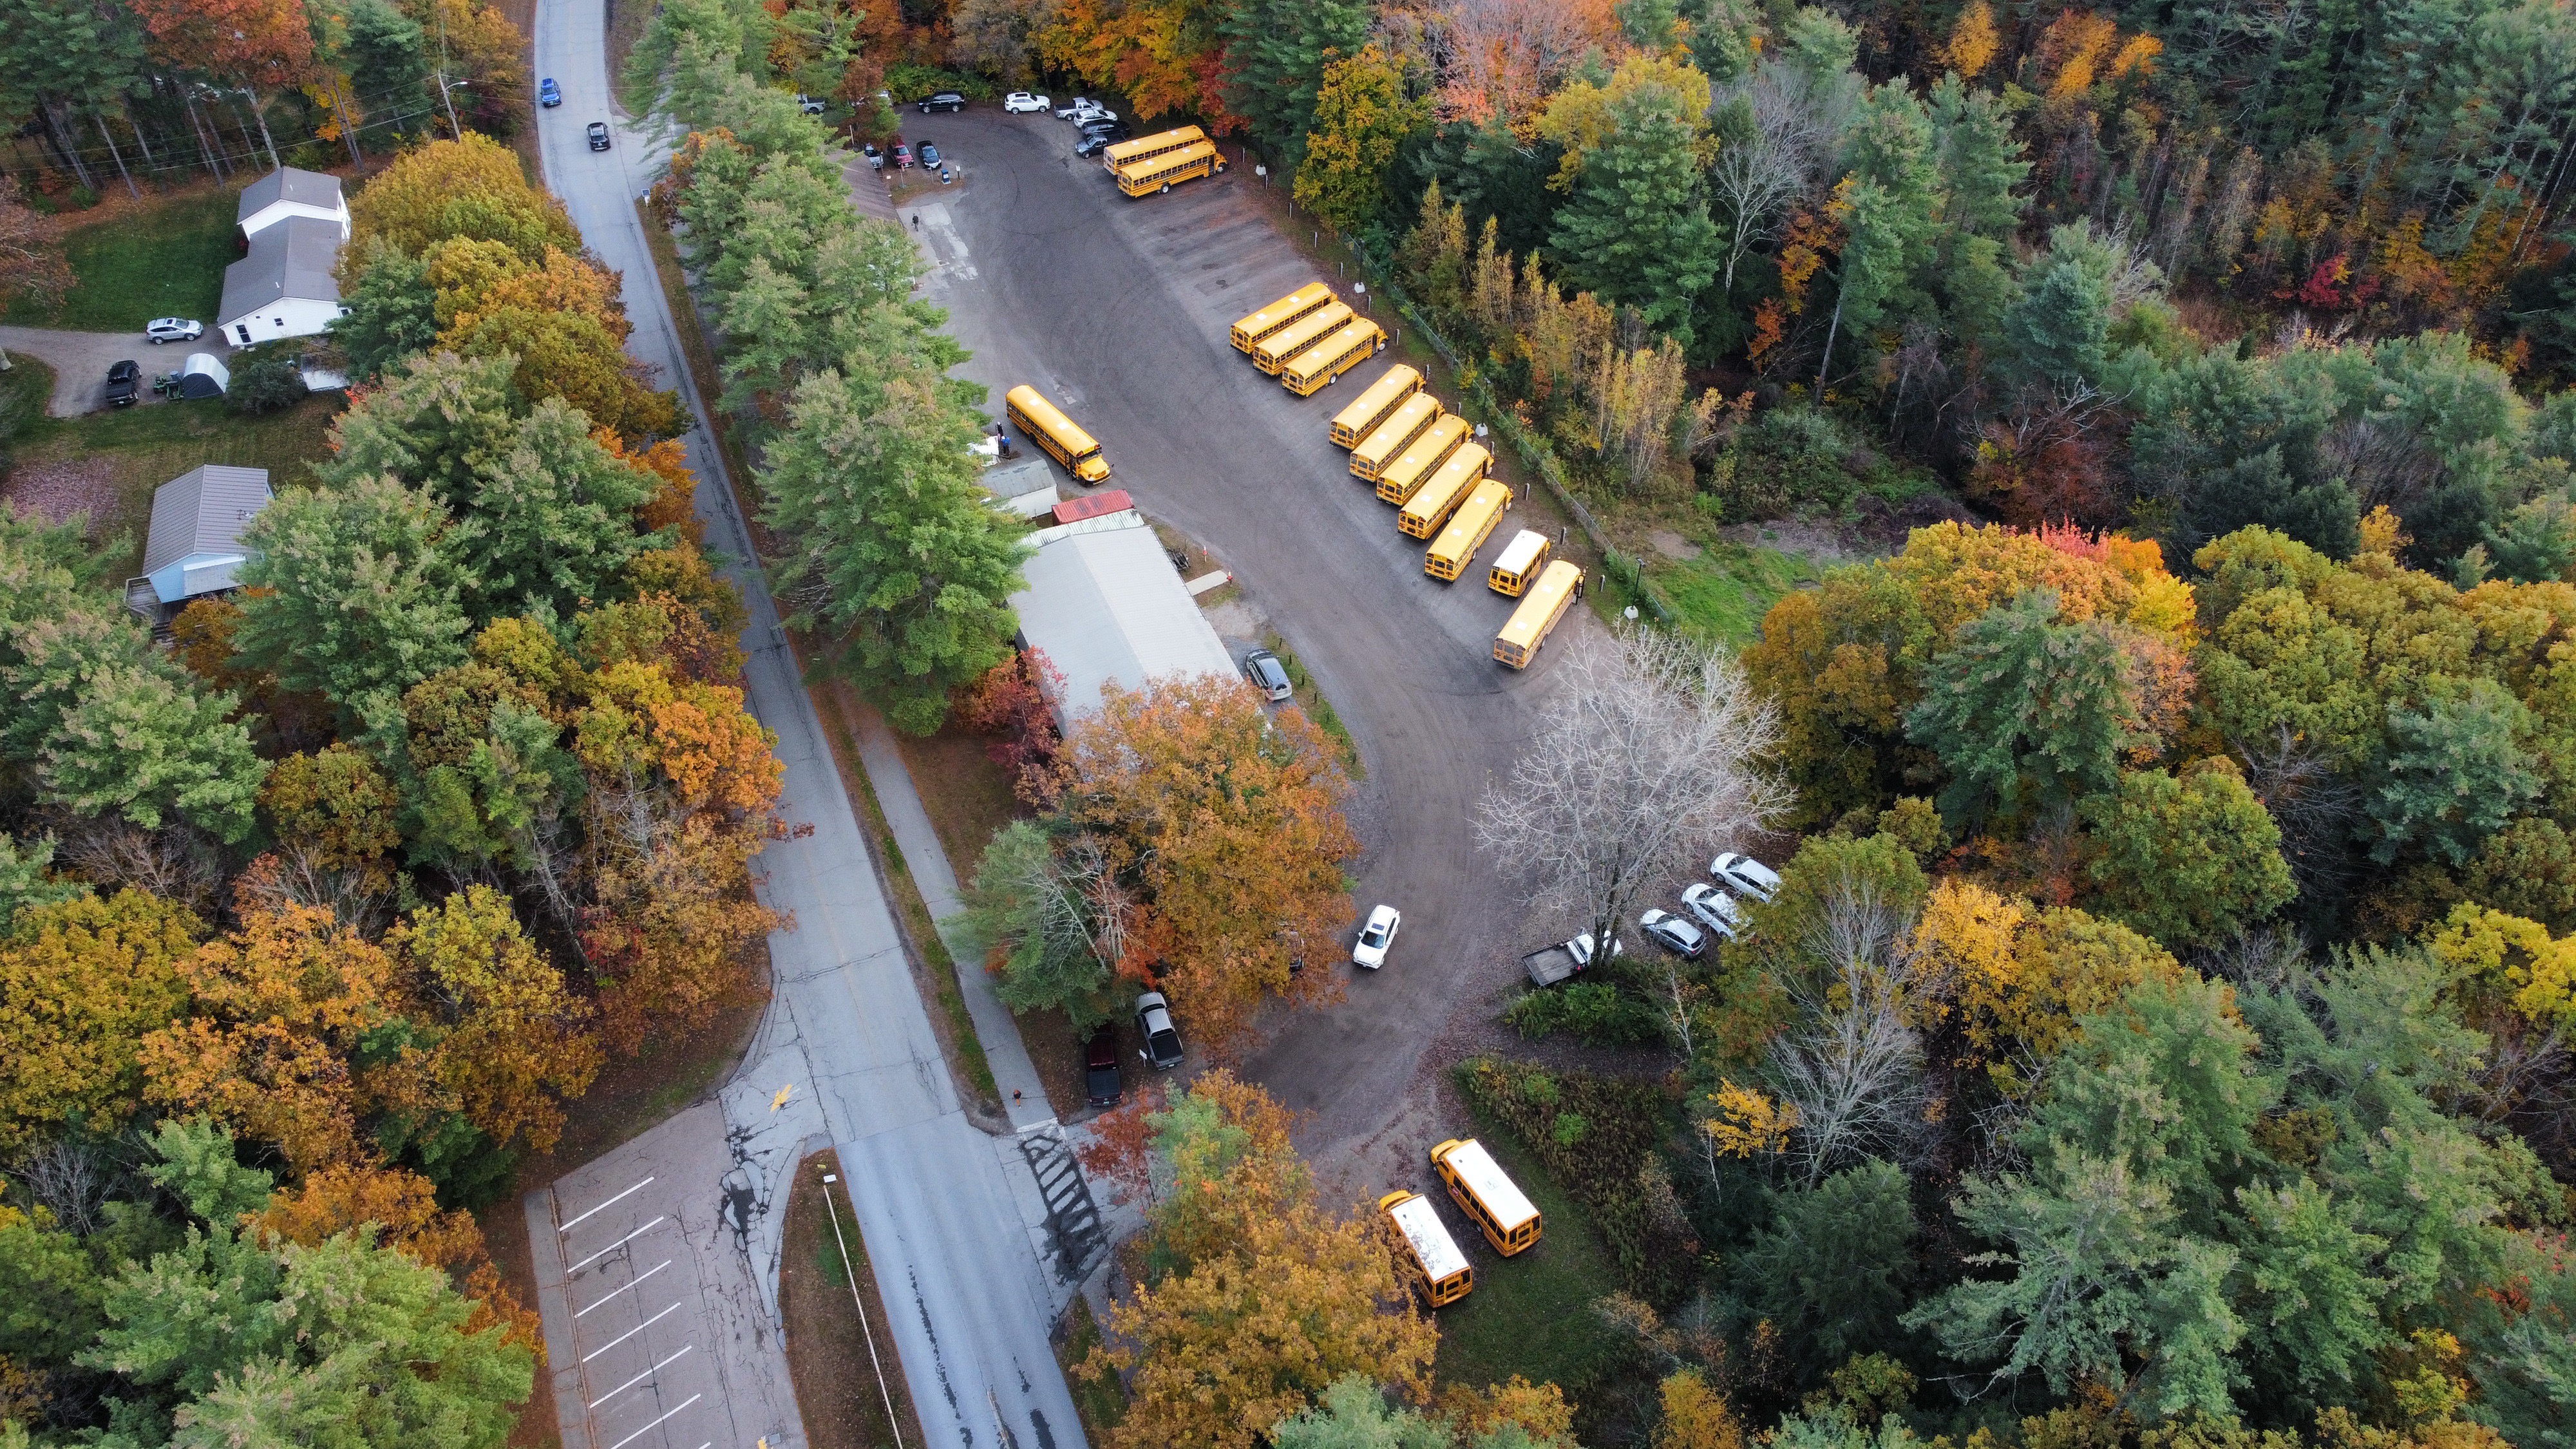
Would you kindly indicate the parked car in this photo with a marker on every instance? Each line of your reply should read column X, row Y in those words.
column 1090, row 146
column 1673, row 934
column 1102, row 126
column 1552, row 964
column 548, row 93
column 1267, row 675
column 1101, row 1085
column 1162, row 1042
column 944, row 101
column 902, row 156
column 808, row 104
column 876, row 158
column 1018, row 101
column 929, row 154
column 1078, row 105
column 1745, row 876
column 1715, row 909
column 124, row 384
column 173, row 329
column 1091, row 112
column 1376, row 937
column 597, row 131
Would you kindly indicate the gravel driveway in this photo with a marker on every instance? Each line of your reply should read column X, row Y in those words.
column 80, row 361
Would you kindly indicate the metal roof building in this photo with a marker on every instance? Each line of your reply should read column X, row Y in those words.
column 1105, row 604
column 195, row 542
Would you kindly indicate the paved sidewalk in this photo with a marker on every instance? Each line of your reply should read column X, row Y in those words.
column 1023, row 1094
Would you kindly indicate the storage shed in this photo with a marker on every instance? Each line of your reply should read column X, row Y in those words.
column 205, row 376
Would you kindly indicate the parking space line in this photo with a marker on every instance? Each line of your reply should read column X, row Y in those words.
column 639, row 1378
column 640, row 1433
column 613, row 1247
column 640, row 1277
column 630, row 1333
column 630, row 1192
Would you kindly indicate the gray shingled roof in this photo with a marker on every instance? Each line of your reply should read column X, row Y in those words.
column 294, row 258
column 311, row 188
column 203, row 510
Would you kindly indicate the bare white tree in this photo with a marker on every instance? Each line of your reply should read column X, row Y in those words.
column 1852, row 1067
column 1756, row 176
column 1644, row 762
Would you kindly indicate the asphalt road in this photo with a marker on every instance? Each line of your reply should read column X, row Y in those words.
column 956, row 1222
column 1119, row 311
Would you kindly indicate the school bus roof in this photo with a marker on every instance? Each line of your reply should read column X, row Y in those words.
column 1522, row 551
column 1420, row 1223
column 1188, row 155
column 1296, row 304
column 1484, row 1177
column 1542, row 600
column 1397, row 381
column 1043, row 414
column 1117, row 155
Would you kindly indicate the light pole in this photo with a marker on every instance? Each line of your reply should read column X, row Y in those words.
column 444, row 86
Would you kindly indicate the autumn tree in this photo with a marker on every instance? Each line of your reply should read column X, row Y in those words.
column 1271, row 1299
column 471, row 187
column 1361, row 116
column 83, row 981
column 1225, row 821
column 2190, row 861
column 506, row 1041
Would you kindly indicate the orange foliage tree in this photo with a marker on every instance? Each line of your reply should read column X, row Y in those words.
column 1226, row 820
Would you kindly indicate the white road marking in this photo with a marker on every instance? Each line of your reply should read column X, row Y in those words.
column 640, row 1433
column 639, row 1187
column 613, row 1247
column 639, row 1378
column 638, row 1278
column 630, row 1333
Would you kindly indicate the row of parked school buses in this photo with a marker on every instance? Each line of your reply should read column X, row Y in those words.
column 1489, row 1198
column 1420, row 456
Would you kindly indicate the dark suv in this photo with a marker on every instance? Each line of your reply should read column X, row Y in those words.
column 944, row 101
column 124, row 384
column 1100, row 1080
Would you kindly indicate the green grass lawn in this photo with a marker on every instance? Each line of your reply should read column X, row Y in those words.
column 143, row 447
column 1532, row 1314
column 1722, row 595
column 164, row 260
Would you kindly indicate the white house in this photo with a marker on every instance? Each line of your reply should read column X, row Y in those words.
column 285, row 287
column 288, row 192
column 195, row 541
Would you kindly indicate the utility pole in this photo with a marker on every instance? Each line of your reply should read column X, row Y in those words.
column 444, row 86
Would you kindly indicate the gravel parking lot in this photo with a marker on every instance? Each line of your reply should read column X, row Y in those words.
column 1119, row 311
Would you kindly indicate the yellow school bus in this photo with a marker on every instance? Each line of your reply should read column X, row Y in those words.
column 1535, row 619
column 1357, row 342
column 1511, row 574
column 1468, row 529
column 1146, row 148
column 1065, row 441
column 1160, row 173
column 1442, row 1269
column 1266, row 322
column 1383, row 397
column 1434, row 501
column 1289, row 343
column 1478, row 1185
column 1394, row 435
column 1398, row 481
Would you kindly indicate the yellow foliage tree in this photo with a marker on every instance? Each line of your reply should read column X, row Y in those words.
column 2513, row 957
column 513, row 1043
column 473, row 187
column 1973, row 41
column 1695, row 1415
column 83, row 983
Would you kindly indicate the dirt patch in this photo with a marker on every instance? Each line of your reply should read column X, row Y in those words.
column 850, row 1391
column 1672, row 545
column 56, row 491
